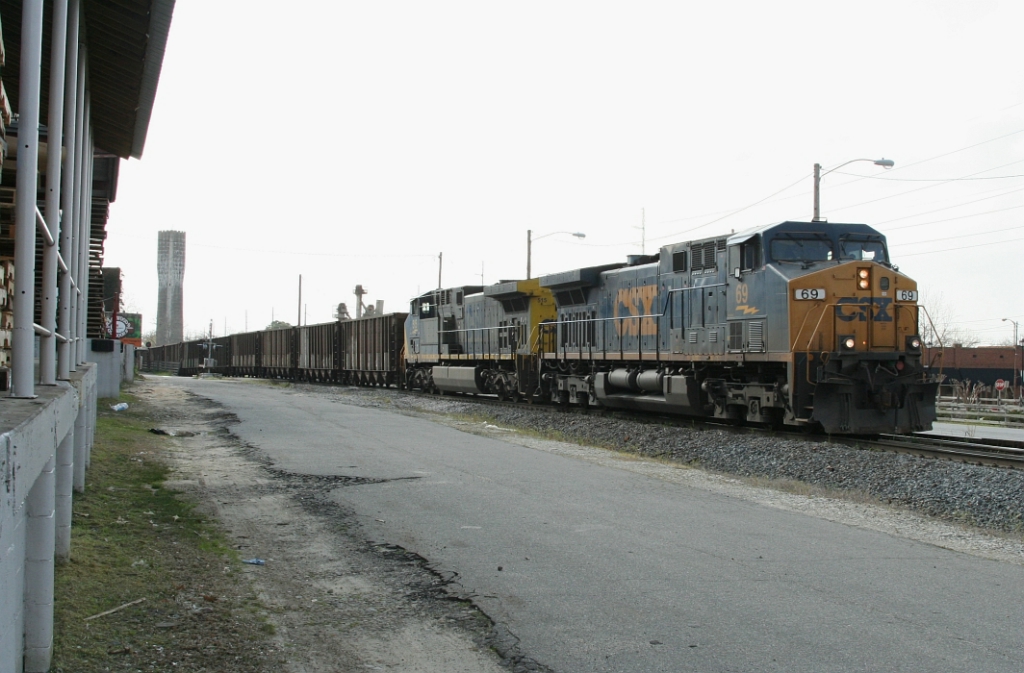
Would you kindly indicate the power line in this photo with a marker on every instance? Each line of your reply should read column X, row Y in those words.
column 734, row 212
column 963, row 247
column 958, row 205
column 962, row 149
column 951, row 219
column 949, row 238
column 918, row 189
column 881, row 177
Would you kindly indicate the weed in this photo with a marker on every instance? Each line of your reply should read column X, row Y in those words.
column 133, row 538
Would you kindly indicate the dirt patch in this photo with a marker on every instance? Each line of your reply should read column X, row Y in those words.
column 337, row 603
column 151, row 584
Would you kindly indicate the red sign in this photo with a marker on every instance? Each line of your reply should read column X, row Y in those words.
column 1000, row 385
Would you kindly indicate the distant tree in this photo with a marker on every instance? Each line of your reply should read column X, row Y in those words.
column 938, row 323
column 278, row 324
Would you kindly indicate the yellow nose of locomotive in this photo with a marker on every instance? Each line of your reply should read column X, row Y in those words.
column 857, row 306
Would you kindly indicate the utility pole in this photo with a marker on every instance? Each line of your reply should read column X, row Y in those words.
column 209, row 348
column 1016, row 345
column 299, row 321
column 440, row 255
column 817, row 193
column 529, row 252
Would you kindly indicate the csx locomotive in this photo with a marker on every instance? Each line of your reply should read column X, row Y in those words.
column 796, row 323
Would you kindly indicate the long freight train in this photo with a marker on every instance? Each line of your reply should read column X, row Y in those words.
column 797, row 323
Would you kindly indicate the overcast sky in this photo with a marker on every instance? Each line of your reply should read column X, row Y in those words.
column 351, row 142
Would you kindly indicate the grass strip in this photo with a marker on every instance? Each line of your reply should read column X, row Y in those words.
column 151, row 584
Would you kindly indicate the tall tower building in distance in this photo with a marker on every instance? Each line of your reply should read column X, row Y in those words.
column 170, row 271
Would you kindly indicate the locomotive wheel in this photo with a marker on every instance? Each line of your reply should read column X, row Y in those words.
column 503, row 389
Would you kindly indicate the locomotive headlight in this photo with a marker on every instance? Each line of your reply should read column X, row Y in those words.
column 863, row 279
column 850, row 342
column 913, row 344
column 847, row 342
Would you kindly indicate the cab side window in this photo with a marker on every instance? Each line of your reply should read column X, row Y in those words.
column 750, row 254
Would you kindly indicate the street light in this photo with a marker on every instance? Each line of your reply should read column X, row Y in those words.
column 818, row 175
column 1016, row 343
column 530, row 239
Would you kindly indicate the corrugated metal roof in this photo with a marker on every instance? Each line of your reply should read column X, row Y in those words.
column 125, row 41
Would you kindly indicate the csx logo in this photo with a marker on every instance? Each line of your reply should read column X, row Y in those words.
column 858, row 309
column 638, row 301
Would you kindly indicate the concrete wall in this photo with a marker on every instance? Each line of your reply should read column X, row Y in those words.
column 128, row 364
column 35, row 516
column 108, row 354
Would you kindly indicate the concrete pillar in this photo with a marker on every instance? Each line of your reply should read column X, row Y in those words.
column 39, row 548
column 12, row 587
column 81, row 437
column 63, row 502
column 90, row 424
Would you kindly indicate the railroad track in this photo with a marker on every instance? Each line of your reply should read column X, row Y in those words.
column 984, row 451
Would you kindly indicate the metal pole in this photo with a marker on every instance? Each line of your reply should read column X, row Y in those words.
column 817, row 192
column 76, row 212
column 529, row 250
column 1016, row 369
column 298, row 322
column 54, row 142
column 67, row 195
column 83, row 262
column 440, row 257
column 23, row 384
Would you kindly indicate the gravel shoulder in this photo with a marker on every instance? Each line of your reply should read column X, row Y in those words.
column 340, row 603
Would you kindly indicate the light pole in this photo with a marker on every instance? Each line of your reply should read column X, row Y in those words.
column 818, row 175
column 529, row 244
column 1016, row 343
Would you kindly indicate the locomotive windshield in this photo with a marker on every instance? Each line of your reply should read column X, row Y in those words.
column 862, row 247
column 801, row 248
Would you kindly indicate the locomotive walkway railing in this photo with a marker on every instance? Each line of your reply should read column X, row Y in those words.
column 548, row 341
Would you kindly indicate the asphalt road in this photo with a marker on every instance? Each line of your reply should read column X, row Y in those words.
column 601, row 569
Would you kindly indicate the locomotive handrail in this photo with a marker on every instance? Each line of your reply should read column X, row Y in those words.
column 800, row 331
column 942, row 346
column 604, row 340
column 485, row 349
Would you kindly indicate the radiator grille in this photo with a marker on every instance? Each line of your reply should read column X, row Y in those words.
column 757, row 336
column 735, row 336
